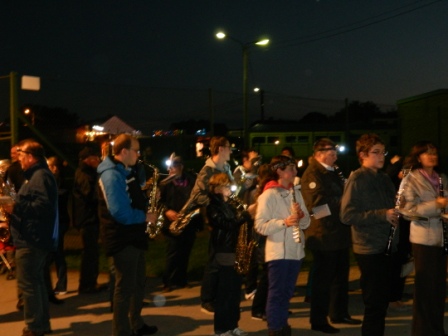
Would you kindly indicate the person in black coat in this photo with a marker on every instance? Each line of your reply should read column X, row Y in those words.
column 225, row 222
column 174, row 193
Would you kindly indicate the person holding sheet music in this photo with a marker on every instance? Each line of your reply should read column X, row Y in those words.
column 328, row 240
column 425, row 193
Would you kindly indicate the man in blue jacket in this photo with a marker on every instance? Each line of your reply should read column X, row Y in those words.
column 34, row 227
column 123, row 221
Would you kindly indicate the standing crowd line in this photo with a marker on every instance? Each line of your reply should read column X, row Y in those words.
column 393, row 220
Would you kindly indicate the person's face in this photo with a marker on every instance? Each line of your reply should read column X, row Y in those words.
column 225, row 191
column 53, row 167
column 328, row 157
column 375, row 158
column 175, row 170
column 25, row 158
column 14, row 154
column 133, row 153
column 225, row 151
column 288, row 174
column 93, row 161
column 429, row 159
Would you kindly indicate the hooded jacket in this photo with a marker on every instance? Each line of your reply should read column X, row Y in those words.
column 121, row 208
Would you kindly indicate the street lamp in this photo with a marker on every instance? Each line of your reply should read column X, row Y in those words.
column 29, row 112
column 261, row 92
column 245, row 49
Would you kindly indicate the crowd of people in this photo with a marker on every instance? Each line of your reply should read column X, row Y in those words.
column 388, row 218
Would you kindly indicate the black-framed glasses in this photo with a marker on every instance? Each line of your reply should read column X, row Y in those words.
column 378, row 152
column 19, row 150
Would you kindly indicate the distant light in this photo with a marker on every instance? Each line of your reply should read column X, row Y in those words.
column 27, row 111
column 262, row 42
column 300, row 163
column 220, row 35
column 256, row 89
column 341, row 148
column 168, row 163
column 277, row 142
column 98, row 128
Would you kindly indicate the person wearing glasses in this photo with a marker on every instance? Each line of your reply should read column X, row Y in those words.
column 280, row 207
column 225, row 222
column 328, row 240
column 34, row 227
column 368, row 206
column 123, row 218
column 425, row 193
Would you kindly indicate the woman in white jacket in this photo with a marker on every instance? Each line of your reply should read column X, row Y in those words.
column 421, row 189
column 277, row 215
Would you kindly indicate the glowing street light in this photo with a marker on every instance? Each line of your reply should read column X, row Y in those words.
column 245, row 49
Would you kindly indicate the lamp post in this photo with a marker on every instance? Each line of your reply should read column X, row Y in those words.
column 245, row 49
column 261, row 92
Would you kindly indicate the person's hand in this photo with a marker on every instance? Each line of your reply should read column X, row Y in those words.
column 441, row 202
column 171, row 215
column 392, row 216
column 151, row 217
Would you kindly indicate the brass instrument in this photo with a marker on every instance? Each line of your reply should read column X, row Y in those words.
column 245, row 245
column 186, row 214
column 296, row 234
column 153, row 229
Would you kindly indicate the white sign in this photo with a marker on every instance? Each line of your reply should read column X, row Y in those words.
column 30, row 83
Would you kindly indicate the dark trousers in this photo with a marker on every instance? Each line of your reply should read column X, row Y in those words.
column 130, row 274
column 375, row 286
column 178, row 251
column 282, row 282
column 58, row 257
column 210, row 280
column 261, row 296
column 228, row 297
column 90, row 256
column 329, row 285
column 251, row 278
column 429, row 290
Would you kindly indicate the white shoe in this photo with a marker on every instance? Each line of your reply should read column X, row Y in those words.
column 227, row 333
column 238, row 332
column 251, row 295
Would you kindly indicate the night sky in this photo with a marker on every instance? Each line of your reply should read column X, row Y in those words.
column 152, row 61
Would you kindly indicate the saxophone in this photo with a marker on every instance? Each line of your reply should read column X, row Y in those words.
column 153, row 229
column 245, row 245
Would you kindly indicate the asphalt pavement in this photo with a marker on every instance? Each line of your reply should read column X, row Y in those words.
column 178, row 312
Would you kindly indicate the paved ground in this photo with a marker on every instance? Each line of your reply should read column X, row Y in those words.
column 175, row 313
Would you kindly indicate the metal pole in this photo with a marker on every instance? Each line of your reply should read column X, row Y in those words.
column 13, row 112
column 245, row 97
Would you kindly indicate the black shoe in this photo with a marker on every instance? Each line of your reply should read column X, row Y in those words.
column 19, row 305
column 55, row 300
column 89, row 290
column 208, row 308
column 259, row 316
column 146, row 330
column 347, row 320
column 325, row 328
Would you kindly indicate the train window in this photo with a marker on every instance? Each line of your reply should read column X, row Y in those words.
column 290, row 139
column 273, row 140
column 303, row 139
column 258, row 140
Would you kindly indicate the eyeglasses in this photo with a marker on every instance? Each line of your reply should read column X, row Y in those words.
column 136, row 150
column 378, row 152
column 22, row 151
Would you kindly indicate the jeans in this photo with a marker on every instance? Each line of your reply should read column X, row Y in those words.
column 30, row 265
column 282, row 282
column 130, row 273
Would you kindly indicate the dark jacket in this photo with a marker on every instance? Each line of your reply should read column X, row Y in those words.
column 34, row 219
column 225, row 222
column 85, row 196
column 121, row 208
column 321, row 186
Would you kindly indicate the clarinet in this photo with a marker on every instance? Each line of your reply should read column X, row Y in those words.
column 393, row 228
column 444, row 226
column 295, row 229
column 340, row 174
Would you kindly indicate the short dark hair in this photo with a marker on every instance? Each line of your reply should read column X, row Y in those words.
column 323, row 144
column 217, row 142
column 365, row 143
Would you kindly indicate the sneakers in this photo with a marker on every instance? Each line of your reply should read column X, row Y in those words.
column 60, row 292
column 251, row 295
column 234, row 332
column 208, row 308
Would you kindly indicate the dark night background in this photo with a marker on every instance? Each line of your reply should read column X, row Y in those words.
column 152, row 62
